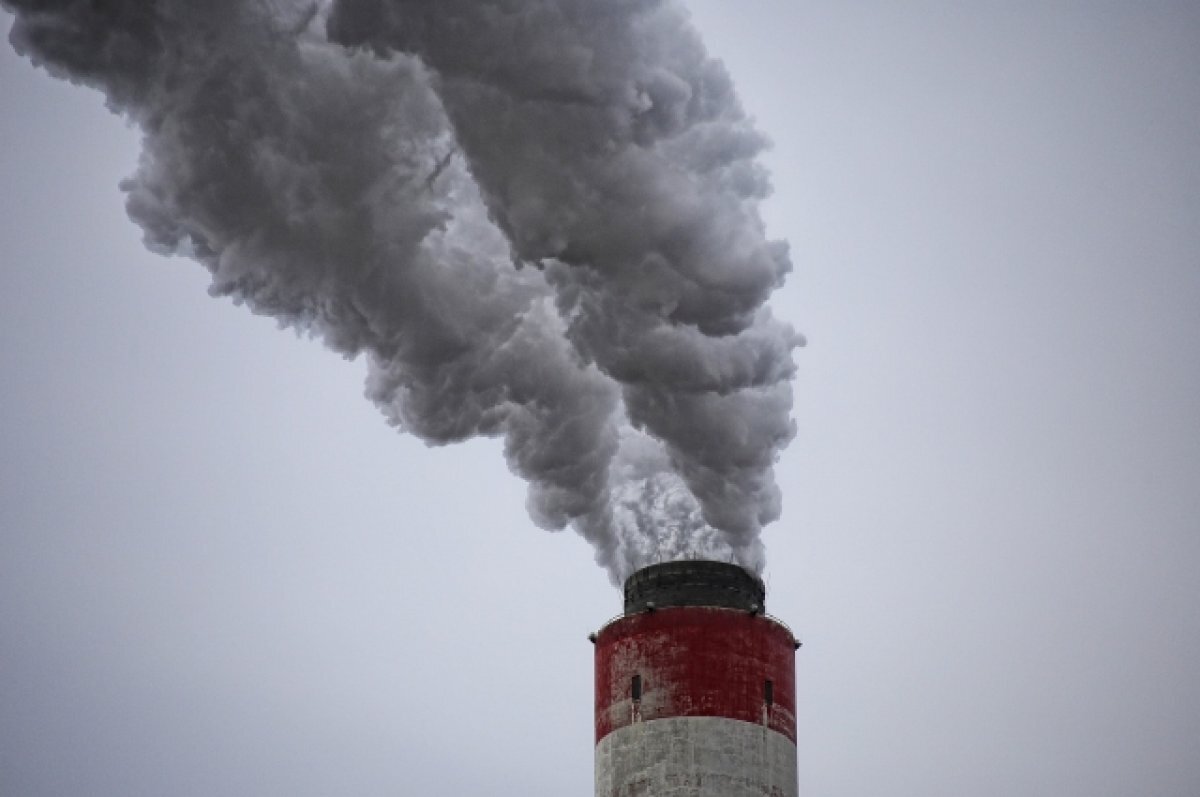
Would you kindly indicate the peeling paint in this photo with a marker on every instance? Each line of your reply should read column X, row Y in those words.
column 695, row 662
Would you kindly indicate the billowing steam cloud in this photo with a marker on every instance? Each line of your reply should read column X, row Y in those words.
column 537, row 219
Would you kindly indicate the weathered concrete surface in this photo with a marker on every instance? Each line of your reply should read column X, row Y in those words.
column 696, row 757
column 695, row 662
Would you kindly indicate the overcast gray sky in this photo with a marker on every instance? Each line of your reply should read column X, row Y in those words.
column 222, row 573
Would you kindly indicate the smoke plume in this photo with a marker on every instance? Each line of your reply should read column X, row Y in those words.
column 535, row 219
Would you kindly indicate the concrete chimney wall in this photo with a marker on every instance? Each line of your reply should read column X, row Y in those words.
column 695, row 688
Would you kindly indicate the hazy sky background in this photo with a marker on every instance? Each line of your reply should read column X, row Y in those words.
column 221, row 573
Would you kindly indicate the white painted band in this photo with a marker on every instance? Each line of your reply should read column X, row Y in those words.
column 695, row 757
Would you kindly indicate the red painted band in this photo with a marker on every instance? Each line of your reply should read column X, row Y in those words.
column 696, row 662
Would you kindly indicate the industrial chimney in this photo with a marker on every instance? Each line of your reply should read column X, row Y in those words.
column 695, row 688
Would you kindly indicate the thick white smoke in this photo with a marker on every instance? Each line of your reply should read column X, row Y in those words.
column 535, row 218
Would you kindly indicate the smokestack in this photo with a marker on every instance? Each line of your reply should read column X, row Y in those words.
column 695, row 688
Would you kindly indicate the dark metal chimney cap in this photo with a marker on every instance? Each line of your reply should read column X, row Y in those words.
column 694, row 583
